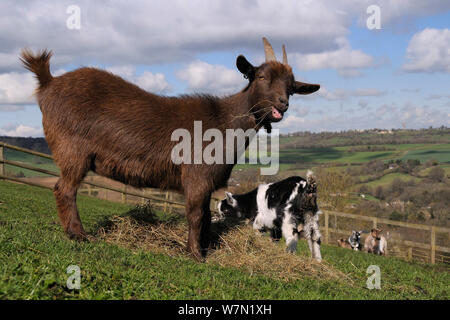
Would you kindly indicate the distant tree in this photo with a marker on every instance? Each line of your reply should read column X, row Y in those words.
column 437, row 174
column 379, row 193
column 431, row 162
column 19, row 174
column 397, row 186
column 397, row 216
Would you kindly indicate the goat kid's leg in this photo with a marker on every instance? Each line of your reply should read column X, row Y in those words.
column 289, row 232
column 316, row 238
column 65, row 192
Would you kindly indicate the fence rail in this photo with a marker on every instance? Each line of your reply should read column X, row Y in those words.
column 430, row 251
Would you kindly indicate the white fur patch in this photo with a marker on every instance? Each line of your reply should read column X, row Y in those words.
column 265, row 216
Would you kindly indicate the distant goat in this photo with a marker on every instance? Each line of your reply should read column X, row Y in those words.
column 288, row 208
column 353, row 242
column 94, row 120
column 376, row 243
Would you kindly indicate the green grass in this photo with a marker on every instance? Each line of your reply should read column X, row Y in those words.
column 28, row 159
column 388, row 178
column 423, row 152
column 34, row 255
column 440, row 152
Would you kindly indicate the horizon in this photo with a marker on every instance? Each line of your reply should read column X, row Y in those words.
column 386, row 71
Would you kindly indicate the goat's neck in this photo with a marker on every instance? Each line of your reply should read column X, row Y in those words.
column 238, row 111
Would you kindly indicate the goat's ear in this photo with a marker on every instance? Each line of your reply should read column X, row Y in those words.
column 229, row 198
column 245, row 67
column 305, row 88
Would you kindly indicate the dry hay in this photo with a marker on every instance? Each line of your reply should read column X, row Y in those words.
column 236, row 247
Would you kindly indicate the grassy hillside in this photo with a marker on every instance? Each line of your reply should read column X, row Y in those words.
column 34, row 255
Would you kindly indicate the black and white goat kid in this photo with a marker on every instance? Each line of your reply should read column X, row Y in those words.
column 288, row 208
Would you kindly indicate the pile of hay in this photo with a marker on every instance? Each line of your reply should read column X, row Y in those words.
column 237, row 247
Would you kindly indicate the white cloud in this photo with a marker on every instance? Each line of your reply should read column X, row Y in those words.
column 429, row 51
column 388, row 115
column 345, row 60
column 16, row 88
column 11, row 108
column 152, row 82
column 21, row 131
column 205, row 77
column 363, row 103
column 147, row 32
column 342, row 94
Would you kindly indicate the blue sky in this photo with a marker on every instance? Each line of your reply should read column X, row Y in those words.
column 394, row 77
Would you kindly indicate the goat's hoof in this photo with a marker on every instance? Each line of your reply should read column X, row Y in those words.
column 77, row 236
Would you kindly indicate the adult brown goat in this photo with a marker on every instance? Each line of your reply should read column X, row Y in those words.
column 94, row 120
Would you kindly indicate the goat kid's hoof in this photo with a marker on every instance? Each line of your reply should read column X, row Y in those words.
column 291, row 250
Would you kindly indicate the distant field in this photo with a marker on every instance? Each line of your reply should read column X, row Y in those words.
column 440, row 152
column 28, row 159
column 388, row 178
column 423, row 152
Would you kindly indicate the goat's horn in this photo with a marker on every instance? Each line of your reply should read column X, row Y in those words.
column 268, row 50
column 285, row 61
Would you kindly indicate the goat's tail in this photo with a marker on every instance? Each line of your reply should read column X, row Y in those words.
column 39, row 64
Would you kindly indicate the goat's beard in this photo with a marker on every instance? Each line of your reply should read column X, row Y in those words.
column 268, row 127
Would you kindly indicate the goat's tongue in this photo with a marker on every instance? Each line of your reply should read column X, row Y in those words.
column 276, row 114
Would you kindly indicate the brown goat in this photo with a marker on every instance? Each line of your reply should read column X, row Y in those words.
column 94, row 120
column 376, row 243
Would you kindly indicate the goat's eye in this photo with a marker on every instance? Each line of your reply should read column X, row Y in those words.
column 261, row 78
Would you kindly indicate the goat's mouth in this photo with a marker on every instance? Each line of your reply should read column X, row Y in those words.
column 276, row 114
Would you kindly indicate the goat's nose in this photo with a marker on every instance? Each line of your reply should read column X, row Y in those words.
column 283, row 101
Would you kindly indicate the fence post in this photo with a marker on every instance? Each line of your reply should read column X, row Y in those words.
column 410, row 254
column 327, row 231
column 433, row 245
column 165, row 202
column 2, row 166
column 375, row 223
column 124, row 195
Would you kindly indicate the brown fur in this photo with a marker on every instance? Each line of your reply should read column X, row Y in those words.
column 374, row 241
column 94, row 120
column 343, row 243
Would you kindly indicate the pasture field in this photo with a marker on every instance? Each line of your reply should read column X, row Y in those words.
column 34, row 255
column 422, row 152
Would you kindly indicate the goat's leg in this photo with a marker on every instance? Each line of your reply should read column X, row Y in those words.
column 205, row 233
column 199, row 222
column 73, row 171
column 65, row 192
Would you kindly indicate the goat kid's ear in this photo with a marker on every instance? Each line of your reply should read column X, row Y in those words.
column 305, row 88
column 229, row 198
column 245, row 67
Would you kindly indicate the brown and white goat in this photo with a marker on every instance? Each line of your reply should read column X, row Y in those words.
column 353, row 242
column 94, row 120
column 376, row 243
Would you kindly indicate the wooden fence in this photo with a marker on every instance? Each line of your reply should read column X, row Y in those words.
column 428, row 251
